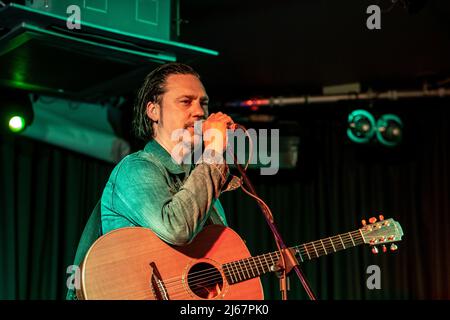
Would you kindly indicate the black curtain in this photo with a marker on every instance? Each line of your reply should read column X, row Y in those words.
column 338, row 183
column 47, row 194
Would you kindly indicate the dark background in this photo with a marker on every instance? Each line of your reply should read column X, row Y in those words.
column 296, row 47
column 268, row 49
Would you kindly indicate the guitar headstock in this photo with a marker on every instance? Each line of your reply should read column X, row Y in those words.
column 381, row 232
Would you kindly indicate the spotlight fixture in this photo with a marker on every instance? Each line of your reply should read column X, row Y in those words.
column 389, row 130
column 16, row 123
column 16, row 112
column 361, row 126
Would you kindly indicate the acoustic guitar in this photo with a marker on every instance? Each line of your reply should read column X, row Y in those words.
column 133, row 263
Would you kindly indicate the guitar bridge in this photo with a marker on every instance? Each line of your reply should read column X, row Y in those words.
column 156, row 284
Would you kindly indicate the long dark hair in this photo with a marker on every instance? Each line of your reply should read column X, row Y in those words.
column 152, row 90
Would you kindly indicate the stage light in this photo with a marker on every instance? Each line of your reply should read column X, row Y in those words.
column 16, row 111
column 389, row 130
column 17, row 123
column 361, row 126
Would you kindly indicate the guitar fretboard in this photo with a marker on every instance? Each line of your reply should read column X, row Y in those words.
column 253, row 267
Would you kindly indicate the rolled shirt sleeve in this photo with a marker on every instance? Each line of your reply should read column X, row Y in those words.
column 139, row 193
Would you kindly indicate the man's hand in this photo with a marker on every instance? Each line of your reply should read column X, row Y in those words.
column 215, row 132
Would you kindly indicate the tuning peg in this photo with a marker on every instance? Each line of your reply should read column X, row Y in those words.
column 381, row 217
column 372, row 220
column 393, row 247
column 384, row 248
column 363, row 222
column 374, row 250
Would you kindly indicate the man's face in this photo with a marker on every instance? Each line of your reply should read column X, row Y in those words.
column 184, row 102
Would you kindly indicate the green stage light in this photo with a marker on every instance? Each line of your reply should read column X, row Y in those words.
column 389, row 130
column 16, row 111
column 17, row 124
column 361, row 126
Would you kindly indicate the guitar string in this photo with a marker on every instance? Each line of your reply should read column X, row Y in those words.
column 206, row 280
column 214, row 279
column 208, row 275
column 246, row 261
column 318, row 245
column 321, row 247
column 209, row 281
column 303, row 251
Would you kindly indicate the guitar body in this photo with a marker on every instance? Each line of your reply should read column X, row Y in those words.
column 133, row 263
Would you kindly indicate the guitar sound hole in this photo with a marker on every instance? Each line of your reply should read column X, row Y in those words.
column 205, row 280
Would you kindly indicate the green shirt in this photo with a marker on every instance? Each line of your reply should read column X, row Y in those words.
column 148, row 189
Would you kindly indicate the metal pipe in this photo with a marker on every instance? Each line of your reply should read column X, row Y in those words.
column 388, row 95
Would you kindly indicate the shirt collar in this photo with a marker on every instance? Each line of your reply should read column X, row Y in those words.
column 155, row 149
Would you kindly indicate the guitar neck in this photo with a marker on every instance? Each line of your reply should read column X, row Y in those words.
column 245, row 269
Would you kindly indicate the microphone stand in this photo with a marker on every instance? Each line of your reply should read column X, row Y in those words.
column 287, row 260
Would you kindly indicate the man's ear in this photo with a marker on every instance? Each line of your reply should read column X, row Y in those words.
column 153, row 111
